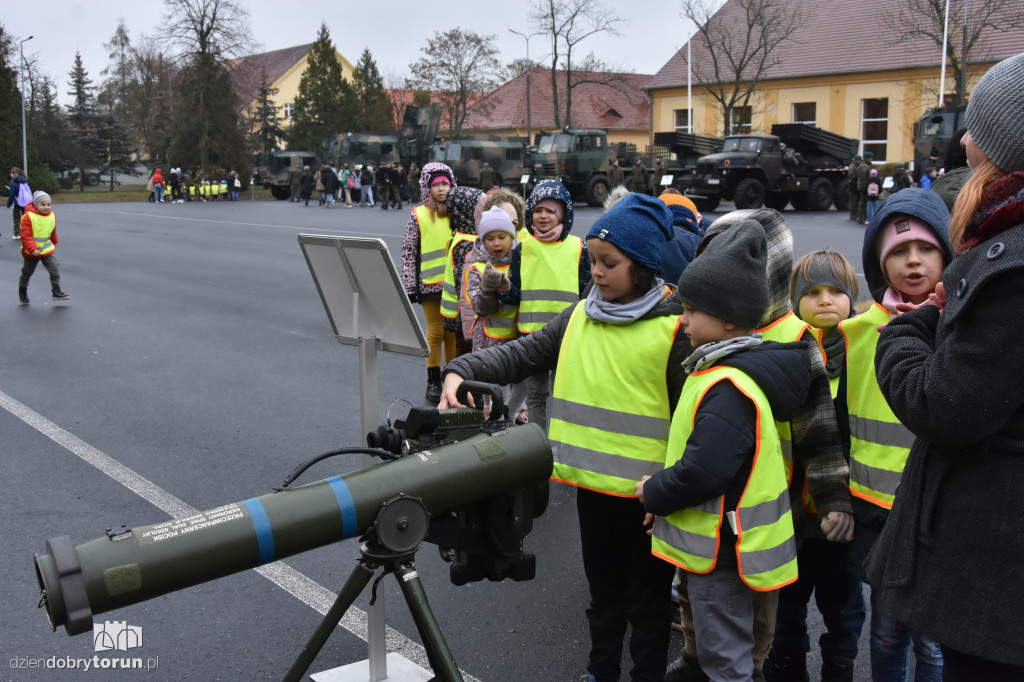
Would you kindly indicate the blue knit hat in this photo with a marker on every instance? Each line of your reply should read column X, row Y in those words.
column 550, row 189
column 639, row 226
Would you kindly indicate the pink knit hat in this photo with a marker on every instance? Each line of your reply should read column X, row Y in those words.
column 900, row 229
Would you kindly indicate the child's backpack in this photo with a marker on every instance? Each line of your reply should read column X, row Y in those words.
column 873, row 189
column 24, row 197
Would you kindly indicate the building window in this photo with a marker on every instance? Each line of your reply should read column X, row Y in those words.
column 683, row 120
column 288, row 110
column 741, row 117
column 805, row 112
column 874, row 129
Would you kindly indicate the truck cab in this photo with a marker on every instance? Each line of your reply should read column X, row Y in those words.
column 933, row 134
column 273, row 170
column 756, row 159
column 579, row 159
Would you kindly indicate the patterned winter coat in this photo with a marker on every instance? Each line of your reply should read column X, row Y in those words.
column 475, row 304
column 411, row 281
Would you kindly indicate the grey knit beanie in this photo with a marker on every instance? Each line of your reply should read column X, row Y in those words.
column 995, row 114
column 728, row 279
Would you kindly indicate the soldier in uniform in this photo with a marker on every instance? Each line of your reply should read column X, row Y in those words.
column 614, row 175
column 394, row 182
column 384, row 184
column 863, row 180
column 659, row 172
column 414, row 183
column 486, row 177
column 638, row 179
column 851, row 175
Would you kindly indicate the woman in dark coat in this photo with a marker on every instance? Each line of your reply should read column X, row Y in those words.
column 951, row 557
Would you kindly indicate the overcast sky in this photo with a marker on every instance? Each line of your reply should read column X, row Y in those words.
column 394, row 30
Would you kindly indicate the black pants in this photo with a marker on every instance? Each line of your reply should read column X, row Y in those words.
column 628, row 585
column 958, row 667
column 51, row 265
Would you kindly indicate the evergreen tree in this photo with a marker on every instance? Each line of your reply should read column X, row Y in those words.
column 84, row 120
column 10, row 122
column 266, row 124
column 323, row 105
column 49, row 126
column 373, row 111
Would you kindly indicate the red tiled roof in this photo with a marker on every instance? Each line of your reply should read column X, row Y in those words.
column 840, row 38
column 594, row 105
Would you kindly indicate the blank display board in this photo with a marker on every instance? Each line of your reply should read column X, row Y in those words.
column 362, row 293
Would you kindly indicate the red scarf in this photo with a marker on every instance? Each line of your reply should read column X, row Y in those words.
column 1002, row 207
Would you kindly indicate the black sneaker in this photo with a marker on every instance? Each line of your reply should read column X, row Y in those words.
column 23, row 296
column 59, row 295
column 786, row 666
column 836, row 669
column 685, row 669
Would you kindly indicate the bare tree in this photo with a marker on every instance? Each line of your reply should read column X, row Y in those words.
column 971, row 23
column 460, row 67
column 568, row 23
column 738, row 50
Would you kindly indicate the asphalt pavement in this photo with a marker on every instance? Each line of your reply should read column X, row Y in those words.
column 194, row 366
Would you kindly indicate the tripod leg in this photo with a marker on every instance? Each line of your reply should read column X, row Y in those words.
column 360, row 576
column 438, row 654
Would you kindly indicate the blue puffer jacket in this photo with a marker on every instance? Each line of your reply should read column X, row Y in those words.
column 16, row 182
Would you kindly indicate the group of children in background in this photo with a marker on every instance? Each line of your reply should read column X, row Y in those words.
column 729, row 426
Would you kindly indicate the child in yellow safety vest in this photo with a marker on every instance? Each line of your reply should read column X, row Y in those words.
column 486, row 274
column 428, row 234
column 823, row 290
column 549, row 272
column 720, row 507
column 38, row 242
column 619, row 374
column 906, row 249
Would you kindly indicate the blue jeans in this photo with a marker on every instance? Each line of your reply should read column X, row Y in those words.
column 234, row 195
column 159, row 189
column 872, row 207
column 890, row 649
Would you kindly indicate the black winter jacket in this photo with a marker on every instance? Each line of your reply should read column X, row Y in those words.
column 537, row 352
column 719, row 453
column 951, row 556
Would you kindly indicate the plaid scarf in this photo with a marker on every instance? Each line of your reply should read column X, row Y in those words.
column 1002, row 207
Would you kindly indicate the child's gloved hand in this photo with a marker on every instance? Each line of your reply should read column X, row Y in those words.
column 491, row 278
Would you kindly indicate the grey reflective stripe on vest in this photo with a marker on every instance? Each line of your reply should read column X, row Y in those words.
column 882, row 433
column 764, row 513
column 764, row 560
column 609, row 465
column 882, row 480
column 787, row 449
column 449, row 288
column 691, row 543
column 638, row 425
column 536, row 318
column 431, row 255
column 493, row 322
column 548, row 295
column 430, row 272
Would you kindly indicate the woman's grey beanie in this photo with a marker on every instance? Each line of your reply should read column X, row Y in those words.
column 995, row 114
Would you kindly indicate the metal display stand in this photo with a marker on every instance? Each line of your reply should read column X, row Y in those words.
column 364, row 300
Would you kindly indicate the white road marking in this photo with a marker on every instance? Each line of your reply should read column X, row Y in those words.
column 297, row 584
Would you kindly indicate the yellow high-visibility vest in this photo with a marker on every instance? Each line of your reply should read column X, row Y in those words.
column 879, row 443
column 611, row 425
column 435, row 235
column 548, row 280
column 42, row 228
column 765, row 547
column 499, row 325
column 449, row 294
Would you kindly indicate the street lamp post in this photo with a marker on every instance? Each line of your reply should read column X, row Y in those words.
column 24, row 137
column 529, row 127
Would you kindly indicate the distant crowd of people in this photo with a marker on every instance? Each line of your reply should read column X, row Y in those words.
column 389, row 185
column 180, row 187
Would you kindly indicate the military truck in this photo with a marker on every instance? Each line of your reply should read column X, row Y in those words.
column 932, row 135
column 508, row 158
column 798, row 164
column 273, row 170
column 417, row 133
column 580, row 159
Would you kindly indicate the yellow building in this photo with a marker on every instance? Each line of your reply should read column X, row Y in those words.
column 844, row 69
column 284, row 69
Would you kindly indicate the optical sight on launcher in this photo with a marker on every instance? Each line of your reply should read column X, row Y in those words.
column 470, row 486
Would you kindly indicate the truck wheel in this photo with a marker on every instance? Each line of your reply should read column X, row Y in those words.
column 92, row 179
column 821, row 194
column 776, row 200
column 841, row 195
column 707, row 205
column 749, row 193
column 280, row 193
column 597, row 190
